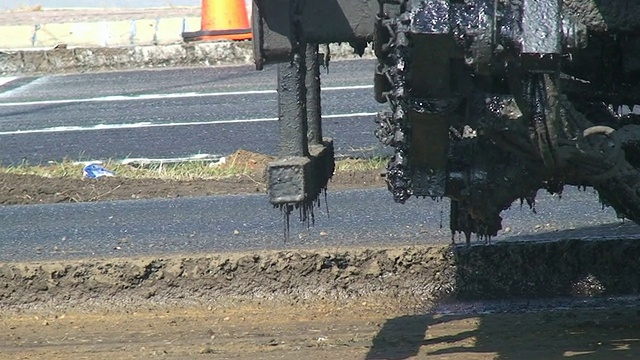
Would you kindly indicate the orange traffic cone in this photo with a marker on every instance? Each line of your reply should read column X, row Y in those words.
column 222, row 20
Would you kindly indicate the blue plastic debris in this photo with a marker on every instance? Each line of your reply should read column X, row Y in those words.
column 94, row 171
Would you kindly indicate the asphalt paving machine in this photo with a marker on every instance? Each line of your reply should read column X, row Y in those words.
column 490, row 101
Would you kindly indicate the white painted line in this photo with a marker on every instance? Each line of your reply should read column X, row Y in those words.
column 167, row 96
column 192, row 158
column 84, row 163
column 6, row 79
column 140, row 125
column 25, row 88
column 149, row 161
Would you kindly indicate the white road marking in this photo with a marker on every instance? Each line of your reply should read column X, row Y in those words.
column 25, row 88
column 192, row 158
column 139, row 125
column 212, row 159
column 163, row 96
column 6, row 79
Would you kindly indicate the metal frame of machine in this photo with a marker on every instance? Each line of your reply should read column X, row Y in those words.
column 489, row 100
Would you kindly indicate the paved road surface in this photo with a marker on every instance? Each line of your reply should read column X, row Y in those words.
column 173, row 113
column 207, row 224
column 177, row 112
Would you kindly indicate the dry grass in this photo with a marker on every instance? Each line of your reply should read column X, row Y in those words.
column 179, row 171
column 238, row 164
column 375, row 163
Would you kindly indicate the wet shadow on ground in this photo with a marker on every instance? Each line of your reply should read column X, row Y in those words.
column 581, row 334
column 551, row 289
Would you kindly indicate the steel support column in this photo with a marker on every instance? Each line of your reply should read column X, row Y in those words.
column 314, row 108
column 305, row 163
column 292, row 107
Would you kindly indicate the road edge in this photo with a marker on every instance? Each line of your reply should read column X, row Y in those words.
column 67, row 60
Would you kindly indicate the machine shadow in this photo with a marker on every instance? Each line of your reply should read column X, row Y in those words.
column 508, row 336
column 536, row 278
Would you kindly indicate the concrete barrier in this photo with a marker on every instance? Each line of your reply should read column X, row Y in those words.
column 64, row 60
column 134, row 32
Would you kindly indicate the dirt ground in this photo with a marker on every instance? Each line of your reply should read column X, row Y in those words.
column 359, row 303
column 317, row 331
column 324, row 304
column 32, row 189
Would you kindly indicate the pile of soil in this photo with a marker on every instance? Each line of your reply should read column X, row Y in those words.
column 249, row 160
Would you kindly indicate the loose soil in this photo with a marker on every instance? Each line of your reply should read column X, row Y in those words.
column 32, row 189
column 317, row 331
column 387, row 303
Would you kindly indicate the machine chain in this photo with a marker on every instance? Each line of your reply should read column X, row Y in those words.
column 393, row 127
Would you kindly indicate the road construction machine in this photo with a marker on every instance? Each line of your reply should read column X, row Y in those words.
column 489, row 101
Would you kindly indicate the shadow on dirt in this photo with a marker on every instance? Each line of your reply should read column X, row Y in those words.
column 586, row 334
column 530, row 300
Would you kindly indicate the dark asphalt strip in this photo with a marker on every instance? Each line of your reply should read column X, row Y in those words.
column 246, row 222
